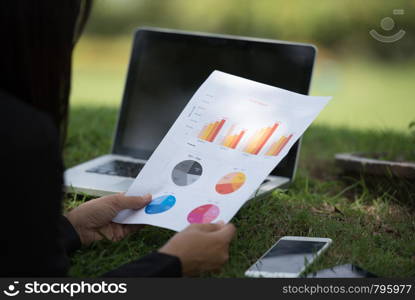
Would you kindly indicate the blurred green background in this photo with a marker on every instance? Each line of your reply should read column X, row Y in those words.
column 371, row 81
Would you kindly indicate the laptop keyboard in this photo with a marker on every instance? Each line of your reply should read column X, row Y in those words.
column 118, row 168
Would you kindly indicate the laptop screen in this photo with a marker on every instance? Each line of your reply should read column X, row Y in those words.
column 167, row 68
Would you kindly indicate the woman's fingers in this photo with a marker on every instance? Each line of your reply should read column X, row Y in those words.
column 227, row 232
column 208, row 227
column 120, row 201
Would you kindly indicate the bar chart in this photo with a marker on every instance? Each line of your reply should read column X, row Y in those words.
column 233, row 137
column 259, row 139
column 211, row 130
column 277, row 146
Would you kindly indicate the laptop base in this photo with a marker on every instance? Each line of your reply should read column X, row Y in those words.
column 80, row 179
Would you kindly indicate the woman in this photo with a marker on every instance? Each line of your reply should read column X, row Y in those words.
column 38, row 37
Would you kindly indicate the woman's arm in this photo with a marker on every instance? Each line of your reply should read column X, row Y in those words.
column 155, row 264
column 70, row 238
column 31, row 193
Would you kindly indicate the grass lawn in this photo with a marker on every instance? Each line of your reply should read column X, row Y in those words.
column 372, row 226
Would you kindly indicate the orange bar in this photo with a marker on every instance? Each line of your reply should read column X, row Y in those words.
column 227, row 140
column 259, row 141
column 231, row 141
column 234, row 138
column 212, row 130
column 283, row 144
column 216, row 131
column 248, row 143
column 266, row 138
column 237, row 140
column 271, row 148
column 251, row 141
column 202, row 131
column 254, row 140
column 274, row 146
column 280, row 146
column 207, row 131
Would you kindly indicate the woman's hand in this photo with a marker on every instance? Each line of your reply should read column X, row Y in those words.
column 93, row 219
column 201, row 247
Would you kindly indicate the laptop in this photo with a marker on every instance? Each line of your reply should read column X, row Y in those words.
column 166, row 68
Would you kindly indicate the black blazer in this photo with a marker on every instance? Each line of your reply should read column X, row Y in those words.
column 35, row 239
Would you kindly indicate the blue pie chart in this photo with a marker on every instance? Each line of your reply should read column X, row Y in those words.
column 160, row 204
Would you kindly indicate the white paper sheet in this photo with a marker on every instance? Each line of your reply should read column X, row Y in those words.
column 229, row 137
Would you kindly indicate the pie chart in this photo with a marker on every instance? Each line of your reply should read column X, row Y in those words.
column 230, row 183
column 160, row 204
column 203, row 214
column 186, row 172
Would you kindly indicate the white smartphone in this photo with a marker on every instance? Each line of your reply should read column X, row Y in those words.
column 289, row 257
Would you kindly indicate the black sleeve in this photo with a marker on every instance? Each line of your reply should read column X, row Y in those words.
column 31, row 188
column 155, row 264
column 35, row 238
column 70, row 237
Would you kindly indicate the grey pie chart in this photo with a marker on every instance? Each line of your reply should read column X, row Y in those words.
column 186, row 172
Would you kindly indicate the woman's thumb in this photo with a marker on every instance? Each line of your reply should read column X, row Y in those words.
column 121, row 201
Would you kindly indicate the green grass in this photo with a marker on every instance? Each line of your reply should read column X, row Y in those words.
column 373, row 229
column 371, row 225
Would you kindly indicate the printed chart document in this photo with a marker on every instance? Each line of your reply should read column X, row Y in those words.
column 229, row 137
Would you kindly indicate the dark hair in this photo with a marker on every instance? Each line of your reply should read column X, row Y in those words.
column 38, row 37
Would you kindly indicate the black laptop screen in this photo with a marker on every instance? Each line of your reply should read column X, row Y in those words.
column 167, row 68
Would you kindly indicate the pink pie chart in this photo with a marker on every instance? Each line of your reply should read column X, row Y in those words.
column 203, row 214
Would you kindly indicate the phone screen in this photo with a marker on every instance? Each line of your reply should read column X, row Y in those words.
column 288, row 256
